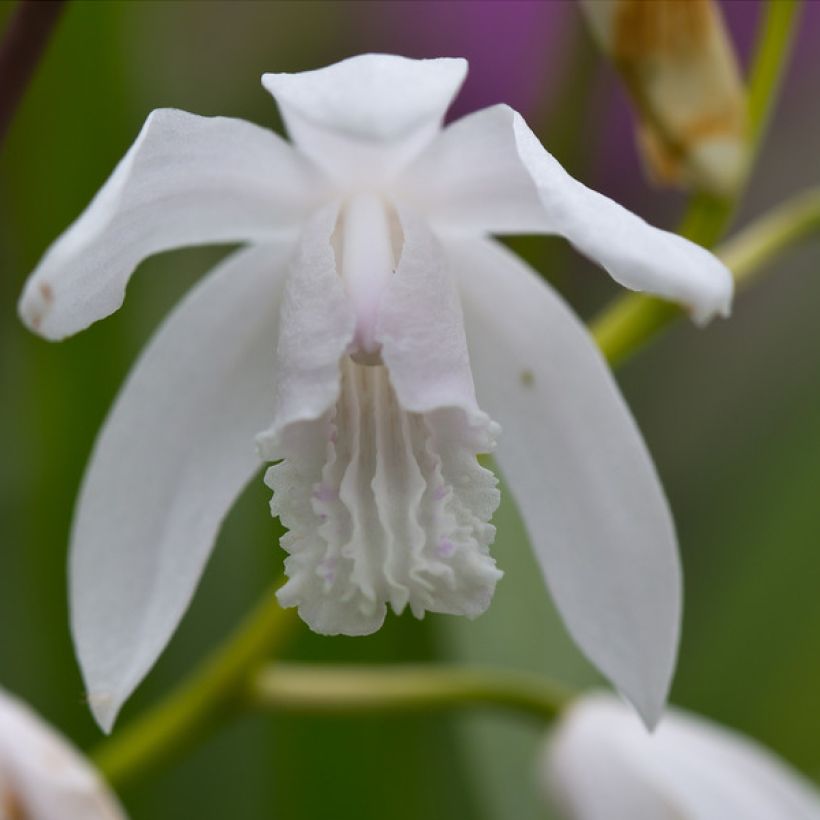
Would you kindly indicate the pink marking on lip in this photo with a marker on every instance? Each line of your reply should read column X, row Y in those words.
column 439, row 493
column 446, row 548
column 327, row 570
column 321, row 492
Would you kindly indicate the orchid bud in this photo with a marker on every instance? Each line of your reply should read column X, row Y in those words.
column 42, row 777
column 602, row 764
column 682, row 74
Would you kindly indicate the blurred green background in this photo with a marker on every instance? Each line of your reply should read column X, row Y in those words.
column 731, row 414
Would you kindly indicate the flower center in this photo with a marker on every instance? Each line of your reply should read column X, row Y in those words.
column 366, row 264
column 384, row 507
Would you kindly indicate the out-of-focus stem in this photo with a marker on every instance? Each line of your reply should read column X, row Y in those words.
column 633, row 319
column 24, row 42
column 402, row 689
column 212, row 693
column 769, row 65
column 747, row 252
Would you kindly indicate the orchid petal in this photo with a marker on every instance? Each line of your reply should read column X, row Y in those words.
column 176, row 450
column 488, row 173
column 42, row 776
column 602, row 765
column 586, row 487
column 316, row 328
column 186, row 180
column 368, row 114
column 421, row 327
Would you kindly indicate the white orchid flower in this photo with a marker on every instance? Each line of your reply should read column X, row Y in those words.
column 341, row 333
column 42, row 777
column 601, row 764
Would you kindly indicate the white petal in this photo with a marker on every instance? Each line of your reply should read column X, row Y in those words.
column 421, row 327
column 42, row 777
column 317, row 327
column 579, row 470
column 176, row 450
column 471, row 179
column 366, row 114
column 602, row 765
column 186, row 180
column 489, row 173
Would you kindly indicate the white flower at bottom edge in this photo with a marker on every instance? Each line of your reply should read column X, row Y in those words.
column 42, row 777
column 601, row 764
column 349, row 331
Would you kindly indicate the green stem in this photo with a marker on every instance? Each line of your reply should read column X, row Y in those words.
column 211, row 694
column 402, row 689
column 632, row 321
column 769, row 65
column 747, row 252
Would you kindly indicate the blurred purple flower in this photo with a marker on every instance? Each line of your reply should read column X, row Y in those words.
column 510, row 45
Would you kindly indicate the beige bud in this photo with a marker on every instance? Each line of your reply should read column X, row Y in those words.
column 683, row 77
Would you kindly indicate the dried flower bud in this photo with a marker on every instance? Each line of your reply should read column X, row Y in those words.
column 682, row 74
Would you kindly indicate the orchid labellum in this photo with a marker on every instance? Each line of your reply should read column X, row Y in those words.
column 372, row 339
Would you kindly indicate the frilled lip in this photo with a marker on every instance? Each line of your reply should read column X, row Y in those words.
column 383, row 507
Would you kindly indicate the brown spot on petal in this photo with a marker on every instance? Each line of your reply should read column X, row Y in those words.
column 47, row 292
column 527, row 378
column 11, row 807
